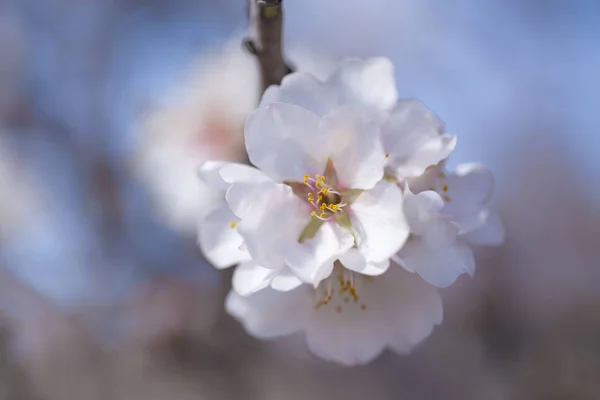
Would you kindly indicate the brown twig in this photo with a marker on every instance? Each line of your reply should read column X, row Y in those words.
column 266, row 22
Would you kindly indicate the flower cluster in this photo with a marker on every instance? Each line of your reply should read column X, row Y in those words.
column 350, row 220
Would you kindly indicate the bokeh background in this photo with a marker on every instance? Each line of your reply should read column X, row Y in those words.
column 107, row 107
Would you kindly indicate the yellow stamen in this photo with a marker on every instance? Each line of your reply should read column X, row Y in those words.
column 324, row 190
column 323, row 215
column 320, row 197
column 232, row 224
column 445, row 188
column 313, row 213
column 323, row 206
column 447, row 199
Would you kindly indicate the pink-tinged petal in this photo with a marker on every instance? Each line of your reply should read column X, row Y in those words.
column 414, row 139
column 280, row 139
column 379, row 222
column 303, row 90
column 366, row 83
column 219, row 239
column 351, row 140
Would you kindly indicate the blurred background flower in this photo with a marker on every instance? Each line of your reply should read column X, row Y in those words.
column 106, row 107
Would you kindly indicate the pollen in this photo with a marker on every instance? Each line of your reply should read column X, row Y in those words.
column 320, row 197
column 445, row 188
column 323, row 215
column 387, row 156
column 313, row 213
column 323, row 206
column 447, row 199
column 232, row 224
column 324, row 190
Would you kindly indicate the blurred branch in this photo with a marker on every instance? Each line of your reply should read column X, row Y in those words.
column 266, row 23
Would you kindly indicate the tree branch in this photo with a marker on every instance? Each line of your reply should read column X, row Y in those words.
column 266, row 22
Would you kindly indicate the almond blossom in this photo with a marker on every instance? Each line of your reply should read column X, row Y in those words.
column 346, row 178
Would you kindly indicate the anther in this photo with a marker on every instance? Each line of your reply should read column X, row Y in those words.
column 232, row 224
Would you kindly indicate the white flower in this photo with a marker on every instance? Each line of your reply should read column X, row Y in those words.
column 348, row 318
column 318, row 194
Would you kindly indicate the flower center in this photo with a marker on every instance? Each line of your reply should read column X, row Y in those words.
column 340, row 290
column 325, row 200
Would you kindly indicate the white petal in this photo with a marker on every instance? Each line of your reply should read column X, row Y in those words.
column 354, row 261
column 209, row 174
column 303, row 90
column 366, row 83
column 346, row 334
column 220, row 175
column 240, row 173
column 418, row 308
column 469, row 189
column 219, row 241
column 280, row 139
column 285, row 281
column 249, row 278
column 312, row 260
column 351, row 140
column 490, row 233
column 269, row 313
column 420, row 209
column 413, row 137
column 353, row 333
column 379, row 223
column 271, row 216
column 440, row 264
